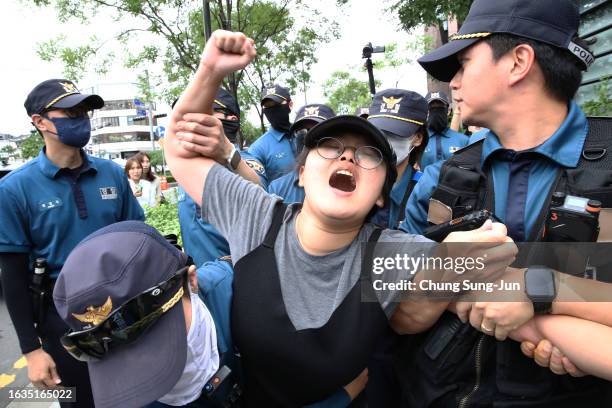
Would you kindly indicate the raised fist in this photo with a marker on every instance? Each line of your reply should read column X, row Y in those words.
column 227, row 52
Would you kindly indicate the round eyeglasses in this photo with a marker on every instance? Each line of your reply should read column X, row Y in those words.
column 366, row 157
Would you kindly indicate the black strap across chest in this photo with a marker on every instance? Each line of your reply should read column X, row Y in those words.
column 465, row 187
column 288, row 367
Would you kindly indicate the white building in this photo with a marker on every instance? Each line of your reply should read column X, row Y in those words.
column 116, row 133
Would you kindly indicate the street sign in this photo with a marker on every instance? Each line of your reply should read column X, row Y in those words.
column 139, row 103
column 160, row 131
column 141, row 112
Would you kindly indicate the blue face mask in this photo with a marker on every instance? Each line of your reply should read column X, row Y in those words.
column 72, row 131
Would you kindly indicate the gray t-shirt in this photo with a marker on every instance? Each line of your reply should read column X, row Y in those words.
column 312, row 286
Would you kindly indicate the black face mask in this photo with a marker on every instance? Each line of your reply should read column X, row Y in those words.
column 437, row 120
column 230, row 128
column 278, row 116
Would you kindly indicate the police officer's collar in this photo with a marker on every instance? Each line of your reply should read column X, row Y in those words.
column 443, row 133
column 564, row 147
column 51, row 170
column 277, row 134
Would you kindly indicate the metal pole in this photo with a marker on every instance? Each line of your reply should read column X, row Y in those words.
column 370, row 68
column 206, row 16
column 150, row 110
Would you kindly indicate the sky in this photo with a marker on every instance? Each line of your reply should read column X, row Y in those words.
column 24, row 27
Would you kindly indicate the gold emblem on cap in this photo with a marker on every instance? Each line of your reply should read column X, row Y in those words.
column 390, row 104
column 270, row 91
column 311, row 111
column 95, row 314
column 69, row 87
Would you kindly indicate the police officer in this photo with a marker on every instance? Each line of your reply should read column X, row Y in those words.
column 307, row 117
column 48, row 206
column 514, row 68
column 200, row 239
column 401, row 115
column 443, row 141
column 274, row 149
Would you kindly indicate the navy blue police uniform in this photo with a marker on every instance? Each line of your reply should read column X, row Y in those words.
column 201, row 241
column 274, row 149
column 307, row 116
column 443, row 141
column 46, row 211
column 457, row 364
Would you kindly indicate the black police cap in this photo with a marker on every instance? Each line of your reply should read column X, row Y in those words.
column 314, row 112
column 58, row 94
column 398, row 111
column 276, row 93
column 437, row 96
column 226, row 101
column 553, row 22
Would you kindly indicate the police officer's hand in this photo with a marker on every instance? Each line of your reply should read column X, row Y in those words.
column 41, row 369
column 548, row 356
column 490, row 244
column 203, row 134
column 355, row 387
column 227, row 52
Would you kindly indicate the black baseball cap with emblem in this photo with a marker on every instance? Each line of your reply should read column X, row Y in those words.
column 275, row 93
column 437, row 96
column 59, row 94
column 313, row 113
column 554, row 22
column 225, row 101
column 398, row 111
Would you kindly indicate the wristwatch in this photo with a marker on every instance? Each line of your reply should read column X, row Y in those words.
column 540, row 288
column 233, row 160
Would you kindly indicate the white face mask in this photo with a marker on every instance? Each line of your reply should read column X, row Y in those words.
column 202, row 356
column 401, row 146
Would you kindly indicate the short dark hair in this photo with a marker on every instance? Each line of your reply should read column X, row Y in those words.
column 561, row 70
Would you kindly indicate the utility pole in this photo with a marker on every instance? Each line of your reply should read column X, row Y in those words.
column 206, row 17
column 150, row 110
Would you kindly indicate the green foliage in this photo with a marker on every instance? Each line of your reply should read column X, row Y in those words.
column 30, row 147
column 75, row 60
column 164, row 218
column 156, row 157
column 413, row 13
column 345, row 93
column 170, row 33
column 250, row 133
column 8, row 149
column 602, row 104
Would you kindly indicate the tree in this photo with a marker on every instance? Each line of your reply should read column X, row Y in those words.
column 30, row 147
column 171, row 32
column 8, row 149
column 602, row 104
column 345, row 93
column 413, row 13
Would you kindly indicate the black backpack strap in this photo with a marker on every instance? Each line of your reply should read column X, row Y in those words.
column 407, row 193
column 277, row 221
column 462, row 185
column 595, row 155
column 367, row 258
